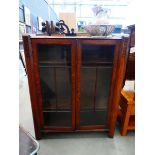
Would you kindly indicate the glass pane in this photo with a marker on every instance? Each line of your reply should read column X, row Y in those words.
column 57, row 119
column 97, row 54
column 54, row 54
column 93, row 118
column 102, row 87
column 87, row 88
column 96, row 72
column 47, row 81
column 55, row 80
column 63, row 88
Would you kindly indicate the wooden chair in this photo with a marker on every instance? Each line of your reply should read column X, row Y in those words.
column 126, row 111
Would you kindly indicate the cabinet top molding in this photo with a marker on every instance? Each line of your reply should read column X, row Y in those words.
column 76, row 37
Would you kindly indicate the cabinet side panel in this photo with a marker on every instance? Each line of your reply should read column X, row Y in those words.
column 37, row 82
column 32, row 90
column 54, row 68
column 120, row 70
column 113, row 80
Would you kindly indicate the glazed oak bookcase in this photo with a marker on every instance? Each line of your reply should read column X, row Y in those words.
column 75, row 82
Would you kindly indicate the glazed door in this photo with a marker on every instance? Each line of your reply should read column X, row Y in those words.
column 54, row 61
column 95, row 69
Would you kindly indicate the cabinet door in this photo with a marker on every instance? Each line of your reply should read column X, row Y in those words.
column 54, row 61
column 95, row 69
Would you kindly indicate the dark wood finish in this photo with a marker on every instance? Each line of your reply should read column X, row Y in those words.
column 130, row 70
column 52, row 129
column 120, row 72
column 93, row 127
column 32, row 87
column 132, row 35
column 78, row 75
column 132, row 39
column 91, row 42
column 118, row 64
column 113, row 81
column 73, row 62
column 37, row 81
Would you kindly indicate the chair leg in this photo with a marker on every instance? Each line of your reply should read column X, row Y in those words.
column 125, row 121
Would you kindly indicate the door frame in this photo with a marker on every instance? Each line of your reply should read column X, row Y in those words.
column 53, row 41
column 116, row 43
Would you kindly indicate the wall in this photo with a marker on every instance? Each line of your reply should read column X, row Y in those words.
column 119, row 9
column 69, row 19
column 38, row 8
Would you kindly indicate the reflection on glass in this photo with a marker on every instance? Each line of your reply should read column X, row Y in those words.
column 97, row 55
column 96, row 72
column 55, row 80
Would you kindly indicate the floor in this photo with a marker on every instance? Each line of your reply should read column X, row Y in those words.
column 92, row 143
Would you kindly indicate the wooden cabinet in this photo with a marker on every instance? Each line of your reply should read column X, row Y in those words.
column 75, row 82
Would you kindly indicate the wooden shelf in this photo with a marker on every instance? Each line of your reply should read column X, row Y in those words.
column 61, row 66
column 57, row 110
column 54, row 62
column 96, row 63
column 59, row 107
